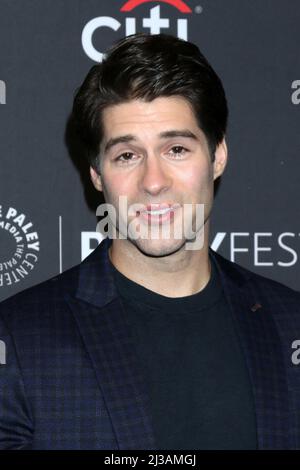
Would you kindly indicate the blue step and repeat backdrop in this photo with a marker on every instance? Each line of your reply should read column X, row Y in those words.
column 47, row 205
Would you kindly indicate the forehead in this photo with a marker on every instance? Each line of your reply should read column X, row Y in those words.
column 139, row 114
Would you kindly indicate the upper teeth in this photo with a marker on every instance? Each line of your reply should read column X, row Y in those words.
column 156, row 212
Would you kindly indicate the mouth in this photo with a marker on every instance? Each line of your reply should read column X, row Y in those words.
column 158, row 212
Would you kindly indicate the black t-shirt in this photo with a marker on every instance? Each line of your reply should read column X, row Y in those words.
column 199, row 388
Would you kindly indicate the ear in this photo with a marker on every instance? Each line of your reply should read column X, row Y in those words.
column 96, row 179
column 220, row 159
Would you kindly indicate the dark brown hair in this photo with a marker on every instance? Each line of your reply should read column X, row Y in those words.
column 144, row 66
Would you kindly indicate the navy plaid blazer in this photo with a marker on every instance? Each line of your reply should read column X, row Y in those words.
column 73, row 381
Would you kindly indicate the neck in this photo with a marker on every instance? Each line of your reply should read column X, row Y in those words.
column 182, row 273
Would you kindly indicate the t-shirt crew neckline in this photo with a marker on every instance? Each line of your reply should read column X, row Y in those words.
column 204, row 299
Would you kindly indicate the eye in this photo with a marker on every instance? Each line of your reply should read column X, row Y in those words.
column 178, row 150
column 124, row 157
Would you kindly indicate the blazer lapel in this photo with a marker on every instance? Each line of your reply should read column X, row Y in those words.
column 106, row 333
column 262, row 349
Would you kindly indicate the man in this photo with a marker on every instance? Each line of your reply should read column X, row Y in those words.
column 152, row 342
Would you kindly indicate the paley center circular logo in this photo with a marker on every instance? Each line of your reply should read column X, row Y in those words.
column 19, row 246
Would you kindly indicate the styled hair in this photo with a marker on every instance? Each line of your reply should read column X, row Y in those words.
column 144, row 66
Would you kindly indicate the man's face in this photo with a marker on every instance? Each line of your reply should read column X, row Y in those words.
column 155, row 153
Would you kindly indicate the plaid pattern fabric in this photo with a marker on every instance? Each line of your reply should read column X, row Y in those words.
column 72, row 380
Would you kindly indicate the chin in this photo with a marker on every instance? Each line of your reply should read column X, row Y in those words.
column 158, row 248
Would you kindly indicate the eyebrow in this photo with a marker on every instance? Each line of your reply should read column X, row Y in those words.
column 163, row 135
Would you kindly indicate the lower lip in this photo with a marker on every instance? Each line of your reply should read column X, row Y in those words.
column 160, row 218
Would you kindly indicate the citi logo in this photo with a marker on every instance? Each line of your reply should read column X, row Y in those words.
column 154, row 24
column 2, row 92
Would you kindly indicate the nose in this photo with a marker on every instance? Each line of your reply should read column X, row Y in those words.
column 155, row 178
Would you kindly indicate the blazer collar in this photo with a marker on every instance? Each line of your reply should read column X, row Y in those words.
column 95, row 282
column 106, row 333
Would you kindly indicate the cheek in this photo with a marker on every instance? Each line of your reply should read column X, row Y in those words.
column 115, row 186
column 197, row 177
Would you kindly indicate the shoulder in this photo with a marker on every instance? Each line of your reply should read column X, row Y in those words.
column 272, row 287
column 266, row 287
column 40, row 302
